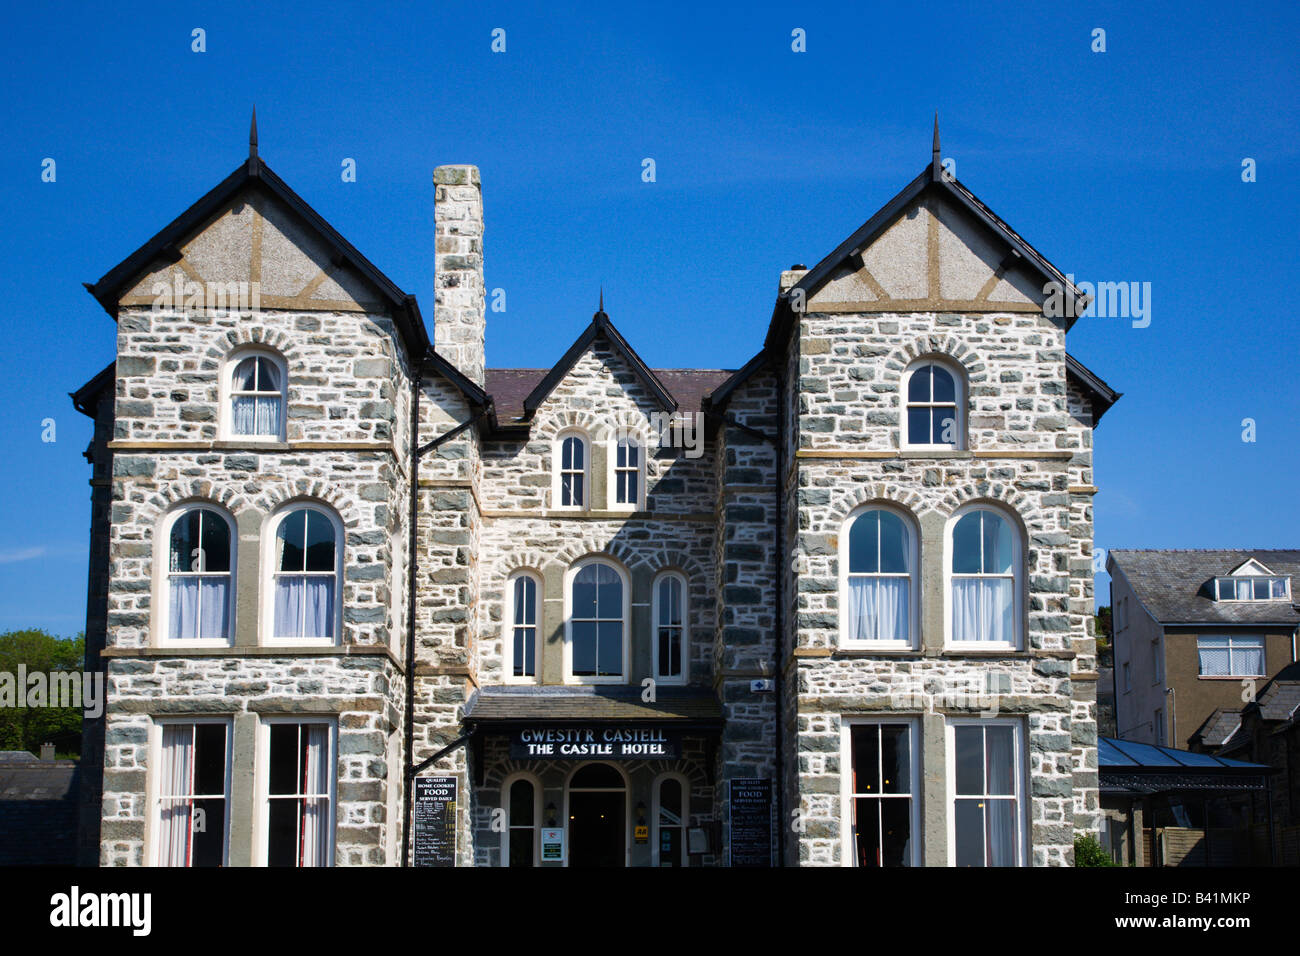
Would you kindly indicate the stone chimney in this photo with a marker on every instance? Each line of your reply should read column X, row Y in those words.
column 458, row 301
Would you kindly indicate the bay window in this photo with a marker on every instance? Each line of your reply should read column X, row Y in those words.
column 880, row 797
column 200, row 557
column 986, row 782
column 297, row 813
column 597, row 623
column 306, row 572
column 878, row 560
column 984, row 579
column 191, row 822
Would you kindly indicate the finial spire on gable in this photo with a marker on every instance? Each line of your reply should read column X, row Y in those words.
column 936, row 162
column 600, row 309
column 252, row 136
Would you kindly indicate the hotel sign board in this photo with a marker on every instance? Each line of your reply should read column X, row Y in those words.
column 603, row 742
column 751, row 822
column 435, row 821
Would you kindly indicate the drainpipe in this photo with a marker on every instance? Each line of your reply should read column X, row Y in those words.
column 418, row 451
column 1173, row 717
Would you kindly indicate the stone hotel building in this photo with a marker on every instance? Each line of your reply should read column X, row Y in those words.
column 363, row 600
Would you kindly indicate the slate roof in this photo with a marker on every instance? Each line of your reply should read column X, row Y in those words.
column 1172, row 585
column 1281, row 696
column 694, row 706
column 510, row 386
column 1218, row 727
column 38, row 810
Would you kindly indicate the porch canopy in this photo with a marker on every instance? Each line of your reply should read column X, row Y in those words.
column 614, row 722
column 1126, row 767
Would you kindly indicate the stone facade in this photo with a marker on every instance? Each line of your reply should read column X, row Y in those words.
column 749, row 519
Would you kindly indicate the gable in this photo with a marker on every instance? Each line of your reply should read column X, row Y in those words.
column 255, row 238
column 931, row 256
column 600, row 330
column 1250, row 568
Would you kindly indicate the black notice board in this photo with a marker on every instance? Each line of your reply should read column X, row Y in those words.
column 751, row 822
column 435, row 821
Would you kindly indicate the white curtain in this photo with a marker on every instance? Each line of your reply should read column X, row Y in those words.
column 314, row 840
column 254, row 415
column 1213, row 652
column 177, row 776
column 982, row 609
column 1249, row 661
column 200, row 607
column 878, row 608
column 304, row 605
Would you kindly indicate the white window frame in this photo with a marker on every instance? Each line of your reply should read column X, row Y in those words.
column 913, row 584
column 1021, row 778
column 848, row 849
column 153, row 847
column 558, row 471
column 1017, row 587
column 1236, row 578
column 227, row 415
column 958, row 374
column 263, row 776
column 1248, row 642
column 508, row 629
column 686, row 818
column 613, row 470
column 569, row 577
column 684, row 676
column 538, row 822
column 269, row 573
column 162, row 577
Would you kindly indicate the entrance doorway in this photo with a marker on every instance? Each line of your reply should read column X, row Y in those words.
column 597, row 824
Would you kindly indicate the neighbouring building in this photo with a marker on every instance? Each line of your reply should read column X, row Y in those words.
column 1197, row 632
column 362, row 599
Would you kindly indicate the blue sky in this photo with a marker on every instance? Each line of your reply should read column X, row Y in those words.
column 1118, row 166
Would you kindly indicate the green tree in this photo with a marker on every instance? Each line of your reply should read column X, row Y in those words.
column 1088, row 852
column 1102, row 627
column 26, row 728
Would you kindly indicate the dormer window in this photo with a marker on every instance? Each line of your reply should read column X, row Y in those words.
column 1252, row 582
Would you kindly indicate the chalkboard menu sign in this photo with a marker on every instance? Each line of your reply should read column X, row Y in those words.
column 435, row 821
column 751, row 822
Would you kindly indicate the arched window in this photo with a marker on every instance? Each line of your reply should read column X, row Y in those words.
column 985, row 578
column 672, row 816
column 200, row 558
column 936, row 406
column 670, row 651
column 522, row 591
column 878, row 561
column 627, row 473
column 257, row 396
column 572, row 471
column 306, row 568
column 522, row 798
column 597, row 623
